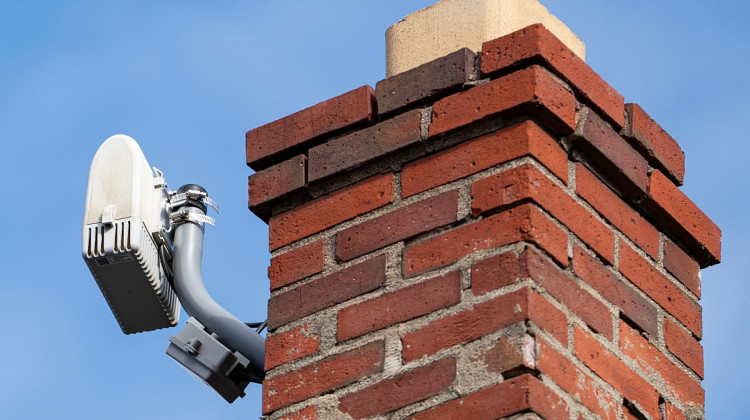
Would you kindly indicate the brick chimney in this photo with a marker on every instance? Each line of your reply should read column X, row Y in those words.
column 484, row 234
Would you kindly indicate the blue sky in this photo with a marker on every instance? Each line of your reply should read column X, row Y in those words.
column 188, row 78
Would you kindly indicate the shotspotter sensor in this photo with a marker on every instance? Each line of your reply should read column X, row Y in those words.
column 124, row 201
column 143, row 245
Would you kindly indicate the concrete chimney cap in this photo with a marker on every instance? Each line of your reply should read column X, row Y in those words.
column 450, row 25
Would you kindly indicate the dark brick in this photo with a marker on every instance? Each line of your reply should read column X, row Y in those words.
column 274, row 183
column 286, row 135
column 611, row 154
column 361, row 146
column 326, row 291
column 428, row 81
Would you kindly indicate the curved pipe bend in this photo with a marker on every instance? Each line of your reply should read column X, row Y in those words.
column 188, row 283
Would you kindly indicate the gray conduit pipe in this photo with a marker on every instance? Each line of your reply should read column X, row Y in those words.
column 188, row 282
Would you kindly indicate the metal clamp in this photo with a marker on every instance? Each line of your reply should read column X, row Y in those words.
column 178, row 199
column 182, row 216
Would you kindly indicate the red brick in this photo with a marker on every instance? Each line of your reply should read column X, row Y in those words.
column 683, row 345
column 611, row 154
column 520, row 394
column 576, row 382
column 325, row 375
column 266, row 142
column 531, row 91
column 660, row 288
column 274, row 183
column 309, row 413
column 495, row 272
column 653, row 361
column 635, row 307
column 326, row 291
column 526, row 182
column 290, row 345
column 522, row 223
column 361, row 146
column 616, row 211
column 522, row 139
column 297, row 264
column 485, row 318
column 405, row 389
column 507, row 355
column 613, row 371
column 677, row 207
column 535, row 44
column 329, row 210
column 401, row 305
column 673, row 413
column 683, row 267
column 398, row 225
column 430, row 80
column 563, row 288
column 661, row 150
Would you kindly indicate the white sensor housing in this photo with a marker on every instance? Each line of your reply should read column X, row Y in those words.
column 124, row 208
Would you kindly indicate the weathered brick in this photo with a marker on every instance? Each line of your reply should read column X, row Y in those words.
column 611, row 154
column 660, row 288
column 651, row 361
column 522, row 139
column 522, row 223
column 576, row 382
column 325, row 375
column 361, row 146
column 398, row 225
column 546, row 274
column 290, row 345
column 297, row 264
column 661, row 150
column 430, row 80
column 309, row 413
column 483, row 319
column 683, row 267
column 610, row 368
column 274, row 183
column 533, row 91
column 634, row 306
column 616, row 211
column 326, row 291
column 535, row 44
column 526, row 182
column 329, row 210
column 683, row 345
column 682, row 214
column 405, row 389
column 266, row 143
column 520, row 394
column 398, row 306
column 507, row 355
